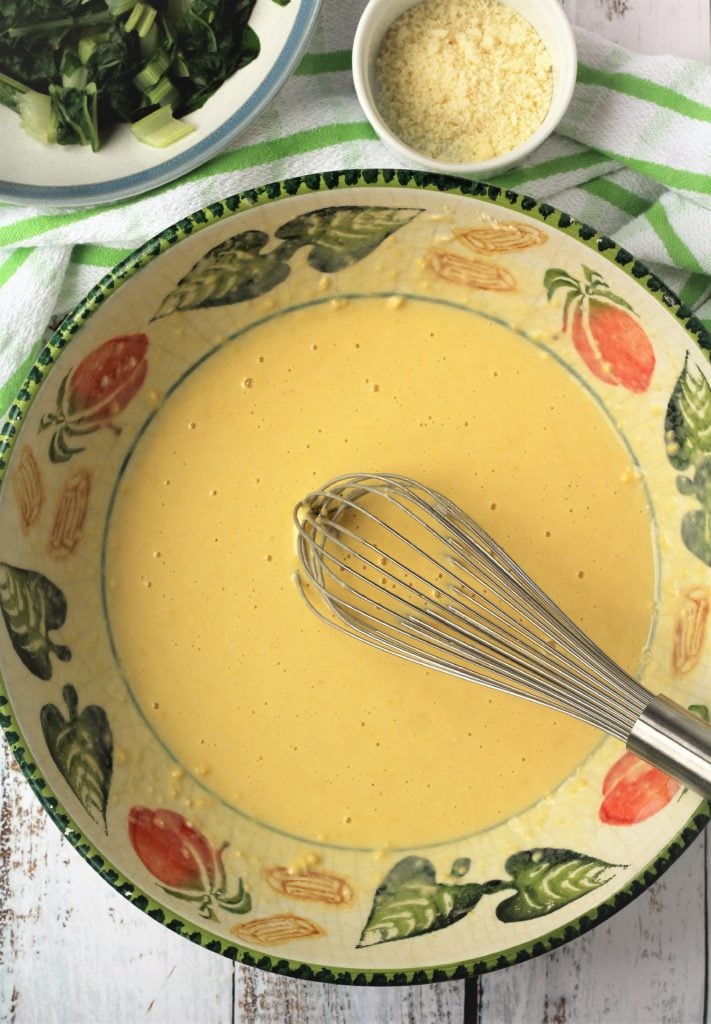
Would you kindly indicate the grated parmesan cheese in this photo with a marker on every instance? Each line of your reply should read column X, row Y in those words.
column 463, row 80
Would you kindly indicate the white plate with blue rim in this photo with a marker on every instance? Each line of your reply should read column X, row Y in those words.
column 39, row 175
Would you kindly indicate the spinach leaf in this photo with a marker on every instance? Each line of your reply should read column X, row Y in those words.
column 213, row 40
column 11, row 92
column 117, row 96
column 74, row 116
column 116, row 46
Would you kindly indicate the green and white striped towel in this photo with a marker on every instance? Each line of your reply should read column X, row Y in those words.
column 632, row 158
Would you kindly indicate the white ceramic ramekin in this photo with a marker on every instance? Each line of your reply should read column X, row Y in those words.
column 547, row 18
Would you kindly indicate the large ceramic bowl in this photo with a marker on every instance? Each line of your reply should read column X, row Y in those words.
column 152, row 828
column 40, row 175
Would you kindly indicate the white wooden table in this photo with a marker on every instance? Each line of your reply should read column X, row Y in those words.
column 72, row 951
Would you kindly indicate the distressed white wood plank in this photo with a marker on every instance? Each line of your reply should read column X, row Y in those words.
column 264, row 999
column 681, row 27
column 72, row 951
column 647, row 965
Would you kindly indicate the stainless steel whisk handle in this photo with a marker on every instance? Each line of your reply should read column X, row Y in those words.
column 673, row 739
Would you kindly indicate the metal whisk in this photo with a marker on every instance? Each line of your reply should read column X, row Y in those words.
column 402, row 568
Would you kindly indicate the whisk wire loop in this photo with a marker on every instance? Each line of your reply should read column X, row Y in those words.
column 404, row 569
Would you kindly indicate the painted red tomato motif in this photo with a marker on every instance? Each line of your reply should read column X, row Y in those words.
column 106, row 380
column 613, row 345
column 587, row 348
column 604, row 329
column 184, row 862
column 95, row 392
column 634, row 790
column 172, row 849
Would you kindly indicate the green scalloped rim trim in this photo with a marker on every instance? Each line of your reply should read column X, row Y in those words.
column 78, row 317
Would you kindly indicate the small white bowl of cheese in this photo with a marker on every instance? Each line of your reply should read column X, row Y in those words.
column 468, row 87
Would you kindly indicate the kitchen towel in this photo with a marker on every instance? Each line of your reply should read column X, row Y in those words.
column 632, row 157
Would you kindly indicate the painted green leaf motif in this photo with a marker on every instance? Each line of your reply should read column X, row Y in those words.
column 234, row 271
column 82, row 748
column 597, row 285
column 696, row 526
column 238, row 269
column 32, row 606
column 241, row 903
column 688, row 419
column 60, row 446
column 343, row 235
column 460, row 867
column 687, row 432
column 411, row 902
column 548, row 879
column 555, row 278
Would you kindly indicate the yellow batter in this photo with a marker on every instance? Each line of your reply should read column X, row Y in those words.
column 281, row 716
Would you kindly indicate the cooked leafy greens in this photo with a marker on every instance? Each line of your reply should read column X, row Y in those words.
column 73, row 68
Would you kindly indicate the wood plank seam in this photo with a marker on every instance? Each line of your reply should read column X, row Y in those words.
column 472, row 1001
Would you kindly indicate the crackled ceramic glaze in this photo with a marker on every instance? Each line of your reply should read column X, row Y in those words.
column 148, row 825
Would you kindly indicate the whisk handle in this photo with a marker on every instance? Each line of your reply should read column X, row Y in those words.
column 673, row 739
